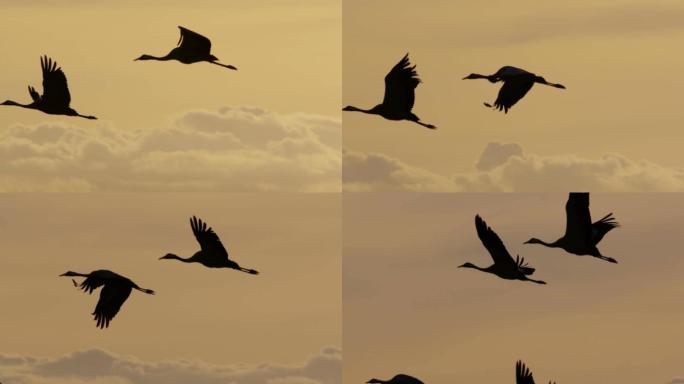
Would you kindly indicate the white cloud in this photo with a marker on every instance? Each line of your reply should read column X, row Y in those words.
column 98, row 366
column 237, row 149
column 506, row 168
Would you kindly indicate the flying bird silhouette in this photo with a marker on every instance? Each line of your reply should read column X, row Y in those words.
column 517, row 82
column 504, row 265
column 397, row 379
column 581, row 236
column 55, row 99
column 192, row 48
column 116, row 290
column 523, row 375
column 400, row 85
column 212, row 253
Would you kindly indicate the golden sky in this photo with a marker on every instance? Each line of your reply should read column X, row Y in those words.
column 618, row 60
column 409, row 309
column 287, row 313
column 289, row 72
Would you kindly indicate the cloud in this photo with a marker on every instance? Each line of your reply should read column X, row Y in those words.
column 99, row 366
column 236, row 149
column 506, row 168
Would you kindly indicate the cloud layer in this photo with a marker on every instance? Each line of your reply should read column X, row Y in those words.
column 98, row 366
column 506, row 168
column 239, row 149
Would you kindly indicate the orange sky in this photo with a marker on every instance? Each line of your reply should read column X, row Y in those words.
column 408, row 308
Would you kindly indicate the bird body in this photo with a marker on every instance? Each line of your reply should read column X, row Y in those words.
column 397, row 379
column 55, row 99
column 400, row 85
column 504, row 265
column 115, row 290
column 212, row 254
column 581, row 235
column 192, row 48
column 517, row 82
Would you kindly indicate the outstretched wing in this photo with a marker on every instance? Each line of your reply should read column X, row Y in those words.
column 578, row 219
column 523, row 375
column 493, row 243
column 513, row 89
column 55, row 89
column 603, row 226
column 112, row 297
column 207, row 238
column 193, row 42
column 400, row 85
column 91, row 283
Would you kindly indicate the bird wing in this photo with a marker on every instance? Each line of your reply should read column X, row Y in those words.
column 207, row 238
column 34, row 94
column 92, row 283
column 112, row 297
column 194, row 42
column 603, row 226
column 400, row 85
column 578, row 219
column 523, row 375
column 493, row 243
column 55, row 89
column 513, row 89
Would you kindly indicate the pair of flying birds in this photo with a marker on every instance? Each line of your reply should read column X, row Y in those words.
column 581, row 238
column 402, row 80
column 117, row 288
column 55, row 100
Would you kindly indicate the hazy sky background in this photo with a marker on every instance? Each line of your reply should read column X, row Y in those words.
column 408, row 308
column 289, row 66
column 285, row 315
column 618, row 60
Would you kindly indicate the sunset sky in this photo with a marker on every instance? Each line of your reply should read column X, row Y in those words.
column 289, row 66
column 227, row 324
column 409, row 309
column 617, row 122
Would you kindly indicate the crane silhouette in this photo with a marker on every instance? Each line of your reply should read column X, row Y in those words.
column 581, row 236
column 116, row 290
column 517, row 82
column 504, row 265
column 192, row 48
column 400, row 85
column 397, row 379
column 55, row 99
column 212, row 253
column 523, row 375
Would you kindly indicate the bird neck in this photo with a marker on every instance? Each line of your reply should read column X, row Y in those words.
column 375, row 110
column 150, row 57
column 176, row 257
column 555, row 244
column 14, row 103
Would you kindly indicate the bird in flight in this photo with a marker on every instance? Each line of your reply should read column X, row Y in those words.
column 212, row 253
column 400, row 86
column 504, row 265
column 397, row 379
column 523, row 375
column 115, row 291
column 581, row 236
column 192, row 48
column 517, row 82
column 55, row 99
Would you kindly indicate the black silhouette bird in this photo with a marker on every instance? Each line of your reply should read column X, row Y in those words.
column 581, row 236
column 517, row 82
column 523, row 375
column 212, row 253
column 504, row 266
column 397, row 379
column 55, row 99
column 400, row 85
column 116, row 290
column 192, row 48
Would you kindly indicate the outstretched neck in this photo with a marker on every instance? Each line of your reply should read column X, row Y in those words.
column 352, row 108
column 176, row 257
column 150, row 57
column 15, row 104
column 555, row 244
